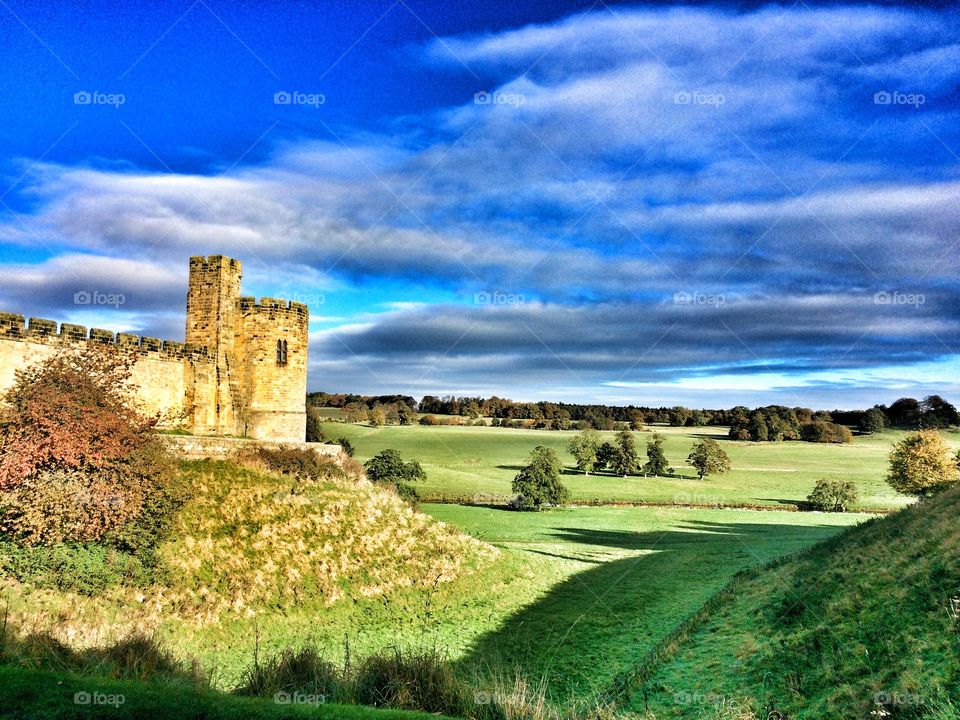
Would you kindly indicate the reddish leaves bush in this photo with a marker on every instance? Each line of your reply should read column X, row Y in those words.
column 77, row 461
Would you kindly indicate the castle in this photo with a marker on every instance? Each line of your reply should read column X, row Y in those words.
column 242, row 370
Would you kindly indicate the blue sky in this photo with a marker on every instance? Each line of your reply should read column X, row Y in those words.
column 657, row 204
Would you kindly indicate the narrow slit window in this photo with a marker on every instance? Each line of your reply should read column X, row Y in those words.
column 281, row 352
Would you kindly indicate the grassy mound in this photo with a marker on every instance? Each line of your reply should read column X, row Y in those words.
column 250, row 539
column 862, row 625
column 28, row 693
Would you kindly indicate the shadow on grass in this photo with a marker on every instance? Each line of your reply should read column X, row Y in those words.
column 603, row 620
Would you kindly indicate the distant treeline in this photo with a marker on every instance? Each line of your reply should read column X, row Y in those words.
column 771, row 422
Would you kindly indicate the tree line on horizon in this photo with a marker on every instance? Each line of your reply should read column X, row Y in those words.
column 771, row 422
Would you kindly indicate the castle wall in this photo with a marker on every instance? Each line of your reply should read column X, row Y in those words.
column 159, row 372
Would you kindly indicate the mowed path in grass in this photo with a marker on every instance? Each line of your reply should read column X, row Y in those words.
column 478, row 463
column 621, row 579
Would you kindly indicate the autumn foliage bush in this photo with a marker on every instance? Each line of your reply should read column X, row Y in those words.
column 78, row 462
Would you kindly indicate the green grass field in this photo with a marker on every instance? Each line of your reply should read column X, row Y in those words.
column 616, row 580
column 478, row 463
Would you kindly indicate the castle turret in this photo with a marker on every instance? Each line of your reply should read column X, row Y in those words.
column 212, row 312
column 274, row 334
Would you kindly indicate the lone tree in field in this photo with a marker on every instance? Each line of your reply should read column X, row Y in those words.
column 538, row 483
column 77, row 461
column 626, row 461
column 388, row 467
column 656, row 459
column 583, row 446
column 833, row 495
column 921, row 464
column 708, row 458
column 873, row 421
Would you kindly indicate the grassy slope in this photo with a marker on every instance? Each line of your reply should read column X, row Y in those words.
column 822, row 634
column 627, row 576
column 27, row 694
column 466, row 462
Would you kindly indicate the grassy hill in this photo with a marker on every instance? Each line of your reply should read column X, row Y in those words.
column 478, row 464
column 862, row 625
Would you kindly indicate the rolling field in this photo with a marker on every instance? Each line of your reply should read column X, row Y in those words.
column 478, row 464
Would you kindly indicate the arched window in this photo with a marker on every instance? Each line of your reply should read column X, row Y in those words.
column 281, row 352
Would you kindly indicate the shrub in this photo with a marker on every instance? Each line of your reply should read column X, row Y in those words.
column 77, row 461
column 833, row 495
column 295, row 462
column 388, row 467
column 86, row 569
column 290, row 671
column 429, row 420
column 345, row 445
column 412, row 681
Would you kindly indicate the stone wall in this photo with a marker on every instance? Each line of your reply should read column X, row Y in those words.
column 197, row 447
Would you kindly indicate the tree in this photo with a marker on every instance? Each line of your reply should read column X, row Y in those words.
column 378, row 416
column 825, row 432
column 833, row 495
column 78, row 461
column 405, row 414
column 921, row 464
column 873, row 421
column 626, row 461
column 583, row 446
column 905, row 412
column 538, row 483
column 935, row 412
column 314, row 426
column 708, row 458
column 605, row 455
column 656, row 459
column 388, row 467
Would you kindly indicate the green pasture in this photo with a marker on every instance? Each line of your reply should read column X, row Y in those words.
column 478, row 463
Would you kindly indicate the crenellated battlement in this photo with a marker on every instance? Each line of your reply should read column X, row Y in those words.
column 273, row 305
column 49, row 332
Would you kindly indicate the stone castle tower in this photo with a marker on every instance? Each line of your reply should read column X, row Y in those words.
column 259, row 350
column 241, row 372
